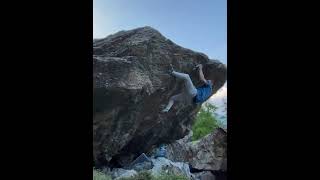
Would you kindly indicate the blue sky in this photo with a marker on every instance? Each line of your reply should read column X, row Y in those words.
column 200, row 25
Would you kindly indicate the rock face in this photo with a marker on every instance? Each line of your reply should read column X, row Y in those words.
column 207, row 175
column 160, row 165
column 118, row 173
column 209, row 153
column 131, row 84
column 165, row 165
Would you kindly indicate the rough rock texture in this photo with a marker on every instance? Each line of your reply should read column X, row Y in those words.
column 118, row 173
column 165, row 165
column 142, row 166
column 209, row 153
column 188, row 138
column 131, row 84
column 160, row 165
column 206, row 175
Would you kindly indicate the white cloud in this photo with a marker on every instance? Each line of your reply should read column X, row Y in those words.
column 218, row 100
column 219, row 96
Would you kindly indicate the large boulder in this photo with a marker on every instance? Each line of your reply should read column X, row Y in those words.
column 209, row 153
column 205, row 175
column 118, row 173
column 160, row 166
column 163, row 165
column 131, row 84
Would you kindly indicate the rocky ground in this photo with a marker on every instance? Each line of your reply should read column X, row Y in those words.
column 204, row 159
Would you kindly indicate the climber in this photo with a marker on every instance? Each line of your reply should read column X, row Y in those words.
column 192, row 94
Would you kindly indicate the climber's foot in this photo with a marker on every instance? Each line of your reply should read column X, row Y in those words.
column 165, row 110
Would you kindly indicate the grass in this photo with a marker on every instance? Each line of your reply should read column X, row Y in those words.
column 98, row 175
column 142, row 175
column 165, row 176
column 145, row 175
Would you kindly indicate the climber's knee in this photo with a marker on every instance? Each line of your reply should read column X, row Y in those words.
column 186, row 76
column 181, row 75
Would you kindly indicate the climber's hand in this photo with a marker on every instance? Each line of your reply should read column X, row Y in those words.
column 200, row 66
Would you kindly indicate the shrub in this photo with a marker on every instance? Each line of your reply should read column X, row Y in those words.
column 142, row 175
column 98, row 175
column 146, row 175
column 205, row 122
column 166, row 176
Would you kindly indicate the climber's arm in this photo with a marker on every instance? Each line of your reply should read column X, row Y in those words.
column 201, row 76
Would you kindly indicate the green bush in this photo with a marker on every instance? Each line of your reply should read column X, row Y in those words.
column 205, row 122
column 145, row 175
column 142, row 175
column 165, row 176
column 98, row 175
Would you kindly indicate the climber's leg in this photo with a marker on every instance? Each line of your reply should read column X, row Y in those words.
column 191, row 90
column 175, row 98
